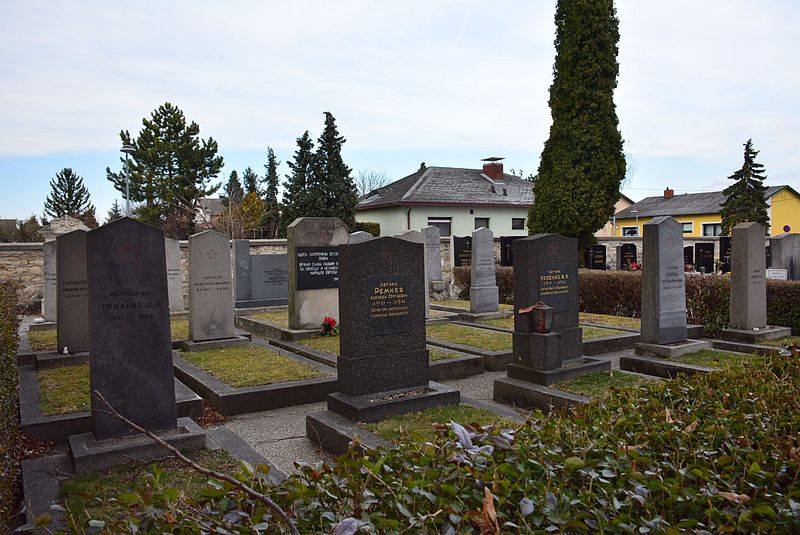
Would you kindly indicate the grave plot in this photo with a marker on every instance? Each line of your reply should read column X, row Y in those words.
column 272, row 323
column 716, row 359
column 460, row 305
column 495, row 348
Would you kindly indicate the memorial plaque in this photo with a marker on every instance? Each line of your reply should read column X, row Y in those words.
column 389, row 311
column 50, row 287
column 507, row 250
column 461, row 250
column 663, row 283
column 785, row 254
column 174, row 275
column 73, row 292
column 131, row 350
column 688, row 255
column 269, row 279
column 554, row 288
column 704, row 257
column 777, row 274
column 317, row 268
column 596, row 257
column 433, row 253
column 725, row 252
column 241, row 271
column 626, row 256
column 748, row 307
column 210, row 287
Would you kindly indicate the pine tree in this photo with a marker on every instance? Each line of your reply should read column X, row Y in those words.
column 114, row 213
column 170, row 170
column 744, row 199
column 68, row 196
column 272, row 213
column 295, row 195
column 233, row 189
column 582, row 163
column 250, row 181
column 333, row 187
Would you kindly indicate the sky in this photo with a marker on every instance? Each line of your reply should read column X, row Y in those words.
column 441, row 82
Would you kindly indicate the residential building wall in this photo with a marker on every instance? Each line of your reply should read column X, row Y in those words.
column 395, row 219
column 608, row 230
column 696, row 220
column 784, row 210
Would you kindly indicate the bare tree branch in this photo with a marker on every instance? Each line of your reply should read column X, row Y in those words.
column 367, row 180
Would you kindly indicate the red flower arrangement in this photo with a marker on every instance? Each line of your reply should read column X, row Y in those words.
column 329, row 327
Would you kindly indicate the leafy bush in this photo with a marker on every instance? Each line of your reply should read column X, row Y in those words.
column 783, row 304
column 367, row 226
column 10, row 437
column 618, row 293
column 462, row 277
column 708, row 453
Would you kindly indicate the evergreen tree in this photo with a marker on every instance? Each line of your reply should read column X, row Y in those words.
column 114, row 213
column 250, row 181
column 744, row 199
column 170, row 170
column 296, row 201
column 68, row 196
column 582, row 163
column 333, row 188
column 233, row 189
column 272, row 212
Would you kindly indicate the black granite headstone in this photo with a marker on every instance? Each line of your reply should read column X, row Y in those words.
column 596, row 257
column 704, row 257
column 688, row 255
column 626, row 256
column 382, row 308
column 725, row 253
column 507, row 250
column 461, row 251
column 130, row 333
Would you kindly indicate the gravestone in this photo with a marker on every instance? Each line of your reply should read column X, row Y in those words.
column 596, row 257
column 484, row 296
column 359, row 236
column 241, row 272
column 415, row 236
column 210, row 287
column 131, row 363
column 174, row 275
column 460, row 251
column 688, row 255
column 725, row 253
column 626, row 256
column 507, row 250
column 269, row 280
column 704, row 257
column 433, row 256
column 50, row 289
column 748, row 285
column 72, row 292
column 382, row 336
column 314, row 270
column 785, row 254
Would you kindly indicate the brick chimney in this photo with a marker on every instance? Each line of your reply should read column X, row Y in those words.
column 493, row 167
column 668, row 194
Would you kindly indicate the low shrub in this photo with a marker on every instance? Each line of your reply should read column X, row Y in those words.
column 618, row 293
column 10, row 437
column 462, row 278
column 783, row 304
column 367, row 226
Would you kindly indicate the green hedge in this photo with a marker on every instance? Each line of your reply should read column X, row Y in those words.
column 462, row 277
column 367, row 226
column 10, row 437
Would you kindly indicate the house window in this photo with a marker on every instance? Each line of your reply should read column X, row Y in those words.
column 712, row 229
column 481, row 222
column 630, row 231
column 688, row 228
column 442, row 223
column 518, row 223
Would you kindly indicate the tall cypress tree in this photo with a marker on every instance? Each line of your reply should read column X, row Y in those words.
column 582, row 163
column 272, row 211
column 233, row 189
column 68, row 196
column 744, row 199
column 250, row 182
column 333, row 188
column 296, row 201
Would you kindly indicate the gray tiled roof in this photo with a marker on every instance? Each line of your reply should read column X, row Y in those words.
column 211, row 205
column 686, row 204
column 451, row 185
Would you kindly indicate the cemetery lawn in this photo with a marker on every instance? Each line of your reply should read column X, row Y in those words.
column 281, row 317
column 462, row 303
column 589, row 332
column 607, row 319
column 714, row 358
column 597, row 384
column 64, row 389
column 471, row 336
column 43, row 340
column 104, row 495
column 179, row 329
column 251, row 365
column 419, row 425
column 330, row 344
column 781, row 342
column 440, row 354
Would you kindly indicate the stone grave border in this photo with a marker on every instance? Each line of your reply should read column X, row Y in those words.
column 743, row 347
column 493, row 361
column 660, row 367
column 272, row 330
column 57, row 428
column 531, row 395
column 231, row 401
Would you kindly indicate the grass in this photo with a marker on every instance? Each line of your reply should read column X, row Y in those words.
column 251, row 365
column 781, row 342
column 462, row 303
column 98, row 495
column 419, row 425
column 43, row 340
column 330, row 344
column 596, row 384
column 439, row 354
column 713, row 358
column 281, row 316
column 607, row 319
column 179, row 329
column 64, row 389
column 588, row 332
column 471, row 336
column 502, row 323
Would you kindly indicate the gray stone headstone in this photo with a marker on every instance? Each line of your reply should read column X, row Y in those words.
column 415, row 236
column 131, row 350
column 174, row 275
column 748, row 284
column 312, row 245
column 210, row 287
column 484, row 295
column 72, row 292
column 663, row 282
column 433, row 253
column 785, row 254
column 269, row 279
column 382, row 307
column 241, row 270
column 358, row 237
column 50, row 282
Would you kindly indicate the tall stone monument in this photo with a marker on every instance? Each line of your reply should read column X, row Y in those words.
column 50, row 276
column 433, row 250
column 72, row 292
column 313, row 250
column 484, row 295
column 785, row 254
column 174, row 275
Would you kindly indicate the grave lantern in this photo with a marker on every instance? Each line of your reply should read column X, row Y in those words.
column 540, row 317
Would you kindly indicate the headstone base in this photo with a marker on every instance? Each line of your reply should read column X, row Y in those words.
column 89, row 454
column 528, row 395
column 537, row 350
column 381, row 405
column 569, row 369
column 753, row 336
column 484, row 299
column 42, row 326
column 258, row 303
column 671, row 350
column 189, row 345
column 405, row 370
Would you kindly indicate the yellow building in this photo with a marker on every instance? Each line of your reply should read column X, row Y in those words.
column 699, row 213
